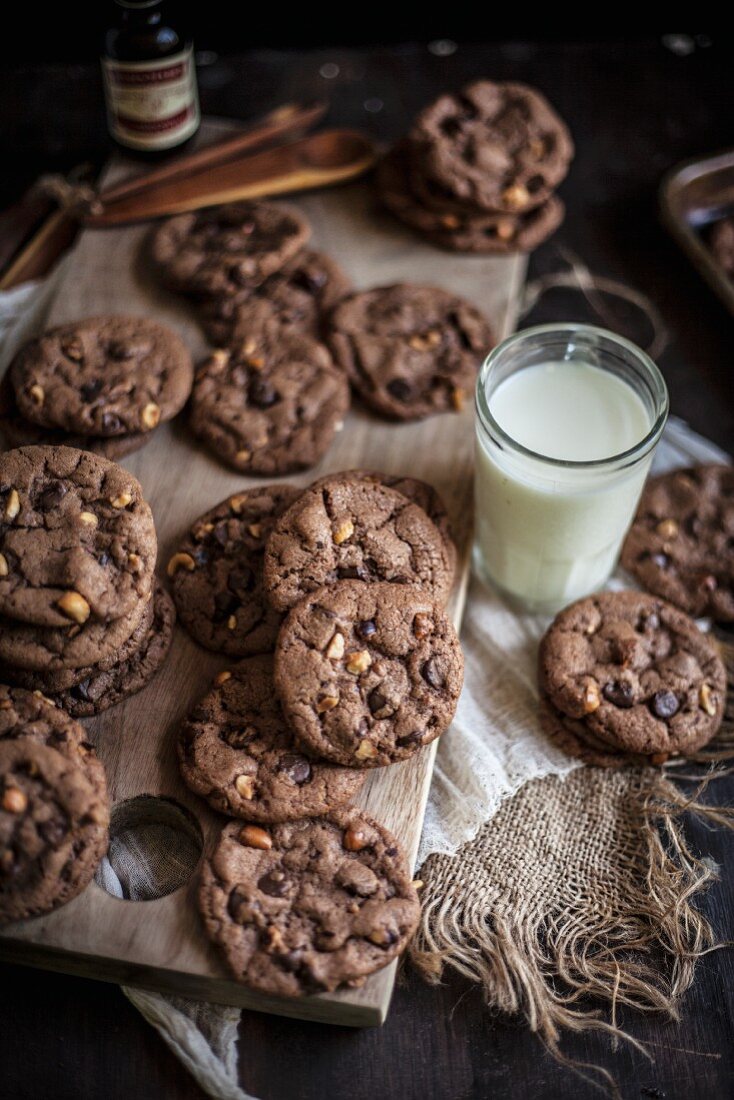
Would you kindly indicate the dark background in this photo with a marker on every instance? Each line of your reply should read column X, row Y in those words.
column 636, row 107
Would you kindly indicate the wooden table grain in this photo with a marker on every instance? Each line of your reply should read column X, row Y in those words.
column 636, row 108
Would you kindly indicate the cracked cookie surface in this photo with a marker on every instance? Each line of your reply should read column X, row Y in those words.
column 681, row 543
column 237, row 751
column 216, row 573
column 368, row 674
column 636, row 673
column 410, row 351
column 77, row 540
column 273, row 411
column 53, row 828
column 224, row 249
column 104, row 376
column 353, row 529
column 308, row 906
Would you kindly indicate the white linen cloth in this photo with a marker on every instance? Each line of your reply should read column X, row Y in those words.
column 495, row 744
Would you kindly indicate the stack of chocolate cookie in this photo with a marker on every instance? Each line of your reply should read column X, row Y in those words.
column 82, row 619
column 102, row 385
column 346, row 582
column 478, row 169
column 54, row 809
column 269, row 399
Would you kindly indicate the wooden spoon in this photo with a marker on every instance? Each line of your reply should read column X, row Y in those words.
column 319, row 160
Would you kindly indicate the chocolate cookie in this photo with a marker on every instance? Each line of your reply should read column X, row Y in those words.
column 18, row 432
column 681, row 543
column 353, row 529
column 273, row 410
column 633, row 674
column 462, row 230
column 308, row 906
column 216, row 573
column 53, row 828
column 410, row 351
column 236, row 750
column 368, row 673
column 722, row 243
column 225, row 249
column 103, row 376
column 77, row 540
column 297, row 297
column 500, row 147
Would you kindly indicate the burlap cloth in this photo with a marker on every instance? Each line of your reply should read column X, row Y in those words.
column 565, row 891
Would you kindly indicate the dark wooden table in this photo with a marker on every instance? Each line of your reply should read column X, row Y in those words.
column 635, row 108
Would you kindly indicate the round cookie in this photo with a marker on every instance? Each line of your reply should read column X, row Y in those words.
column 236, row 750
column 460, row 230
column 497, row 146
column 346, row 528
column 634, row 672
column 103, row 376
column 272, row 410
column 53, row 828
column 18, row 432
column 77, row 540
column 216, row 573
column 368, row 673
column 681, row 543
column 308, row 906
column 297, row 297
column 722, row 243
column 224, row 249
column 410, row 351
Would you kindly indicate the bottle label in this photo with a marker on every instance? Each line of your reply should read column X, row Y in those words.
column 152, row 104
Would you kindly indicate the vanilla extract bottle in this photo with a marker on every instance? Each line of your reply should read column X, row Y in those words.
column 149, row 79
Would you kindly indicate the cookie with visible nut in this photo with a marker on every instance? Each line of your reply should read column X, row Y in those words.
column 346, row 528
column 103, row 377
column 410, row 351
column 216, row 573
column 367, row 674
column 77, row 540
column 681, row 543
column 627, row 673
column 236, row 750
column 271, row 410
column 308, row 906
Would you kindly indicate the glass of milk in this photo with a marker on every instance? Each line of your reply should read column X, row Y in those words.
column 568, row 418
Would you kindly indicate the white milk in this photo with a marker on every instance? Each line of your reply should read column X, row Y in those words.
column 549, row 533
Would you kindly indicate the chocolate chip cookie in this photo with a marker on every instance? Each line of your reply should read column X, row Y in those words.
column 681, row 543
column 216, row 573
column 77, row 540
column 273, row 411
column 224, row 249
column 410, row 351
column 497, row 146
column 368, row 673
column 308, row 906
column 103, row 376
column 16, row 431
column 298, row 297
column 628, row 673
column 53, row 828
column 236, row 750
column 722, row 243
column 460, row 229
column 350, row 529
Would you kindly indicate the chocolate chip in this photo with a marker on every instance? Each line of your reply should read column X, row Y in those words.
column 118, row 349
column 201, row 555
column 665, row 704
column 366, row 628
column 103, row 558
column 52, row 497
column 220, row 534
column 225, row 604
column 400, row 389
column 661, row 560
column 80, row 691
column 297, row 768
column 235, row 905
column 352, row 573
column 263, row 394
column 111, row 422
column 432, row 674
column 376, row 700
column 274, row 883
column 241, row 580
column 90, row 390
column 409, row 739
column 620, row 693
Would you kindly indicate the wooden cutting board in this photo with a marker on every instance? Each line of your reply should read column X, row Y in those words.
column 160, row 944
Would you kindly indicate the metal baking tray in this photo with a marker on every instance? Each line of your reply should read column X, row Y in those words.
column 693, row 196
